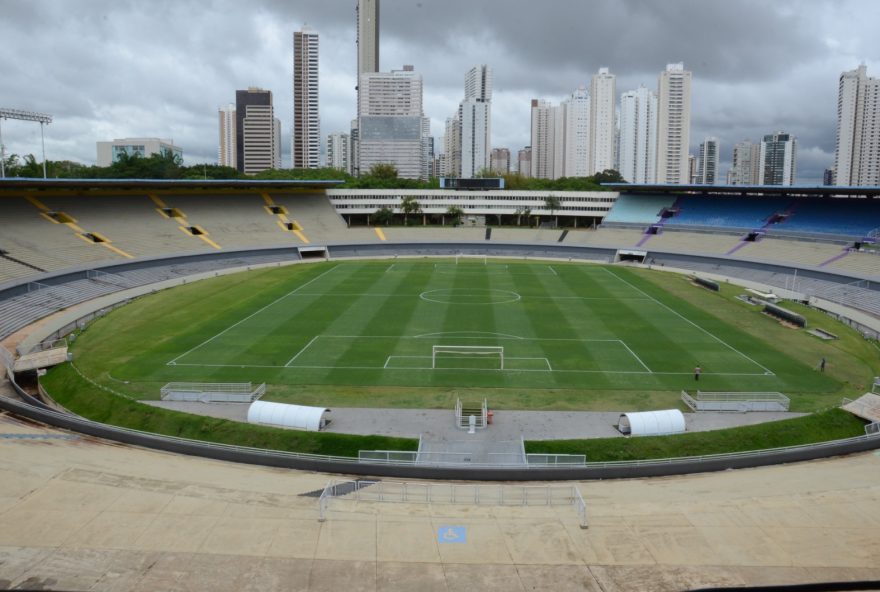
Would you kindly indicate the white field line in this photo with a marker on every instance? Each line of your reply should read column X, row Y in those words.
column 502, row 336
column 250, row 316
column 633, row 354
column 682, row 317
column 473, row 369
column 550, row 267
column 290, row 361
column 390, row 267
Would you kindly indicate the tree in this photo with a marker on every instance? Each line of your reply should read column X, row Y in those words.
column 608, row 176
column 382, row 217
column 551, row 202
column 409, row 205
column 455, row 213
column 522, row 211
column 384, row 171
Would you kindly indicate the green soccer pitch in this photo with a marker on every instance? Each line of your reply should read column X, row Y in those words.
column 418, row 332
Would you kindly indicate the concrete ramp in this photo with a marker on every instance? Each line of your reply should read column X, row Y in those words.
column 867, row 407
column 42, row 359
column 483, row 451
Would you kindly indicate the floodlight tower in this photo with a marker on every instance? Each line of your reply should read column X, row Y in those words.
column 41, row 118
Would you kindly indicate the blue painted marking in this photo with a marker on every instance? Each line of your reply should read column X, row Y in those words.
column 452, row 534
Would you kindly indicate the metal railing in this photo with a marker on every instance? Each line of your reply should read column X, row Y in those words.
column 731, row 401
column 208, row 392
column 403, row 492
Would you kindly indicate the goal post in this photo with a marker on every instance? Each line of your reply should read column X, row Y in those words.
column 466, row 352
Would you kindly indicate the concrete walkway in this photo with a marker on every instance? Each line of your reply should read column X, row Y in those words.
column 438, row 424
column 82, row 514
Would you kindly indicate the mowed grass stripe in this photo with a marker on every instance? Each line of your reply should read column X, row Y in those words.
column 245, row 320
column 375, row 316
column 266, row 336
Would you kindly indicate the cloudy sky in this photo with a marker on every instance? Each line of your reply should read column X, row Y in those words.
column 107, row 69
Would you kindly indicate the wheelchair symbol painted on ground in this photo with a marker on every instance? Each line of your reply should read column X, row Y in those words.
column 451, row 534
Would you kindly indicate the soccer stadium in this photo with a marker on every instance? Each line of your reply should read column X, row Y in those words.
column 674, row 383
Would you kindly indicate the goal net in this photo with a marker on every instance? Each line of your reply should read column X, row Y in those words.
column 461, row 258
column 467, row 357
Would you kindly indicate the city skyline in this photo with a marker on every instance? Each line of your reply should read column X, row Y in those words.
column 177, row 61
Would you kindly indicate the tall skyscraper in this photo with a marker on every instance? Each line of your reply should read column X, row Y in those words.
column 778, row 164
column 857, row 158
column 392, row 127
column 603, row 94
column 500, row 161
column 257, row 141
column 226, row 151
column 524, row 161
column 305, row 137
column 707, row 164
column 673, row 124
column 745, row 169
column 576, row 150
column 637, row 147
column 475, row 116
column 543, row 139
column 367, row 39
column 338, row 151
column 452, row 147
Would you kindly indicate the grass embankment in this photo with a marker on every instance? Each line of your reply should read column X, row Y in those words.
column 832, row 424
column 80, row 397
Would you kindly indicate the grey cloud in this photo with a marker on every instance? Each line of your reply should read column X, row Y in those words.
column 108, row 68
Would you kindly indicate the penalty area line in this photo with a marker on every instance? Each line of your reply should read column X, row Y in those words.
column 767, row 371
column 633, row 354
column 299, row 353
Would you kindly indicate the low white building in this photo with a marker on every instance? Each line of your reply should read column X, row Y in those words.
column 576, row 204
column 109, row 152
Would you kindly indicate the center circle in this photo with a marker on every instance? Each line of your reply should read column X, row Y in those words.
column 469, row 296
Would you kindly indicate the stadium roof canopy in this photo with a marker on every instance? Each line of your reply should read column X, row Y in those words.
column 748, row 190
column 17, row 185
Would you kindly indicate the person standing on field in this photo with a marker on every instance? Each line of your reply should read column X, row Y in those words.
column 697, row 372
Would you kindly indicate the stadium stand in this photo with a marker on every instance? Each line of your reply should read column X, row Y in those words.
column 743, row 213
column 863, row 264
column 316, row 215
column 850, row 217
column 39, row 241
column 693, row 242
column 131, row 222
column 789, row 252
column 641, row 209
column 617, row 237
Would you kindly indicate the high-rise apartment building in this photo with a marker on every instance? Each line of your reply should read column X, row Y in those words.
column 367, row 36
column 392, row 128
column 226, row 150
column 692, row 169
column 637, row 148
column 603, row 95
column 544, row 149
column 778, row 163
column 524, row 161
column 857, row 158
column 576, row 130
column 452, row 147
column 673, row 124
column 745, row 169
column 500, row 164
column 707, row 163
column 338, row 151
column 305, row 137
column 475, row 116
column 257, row 137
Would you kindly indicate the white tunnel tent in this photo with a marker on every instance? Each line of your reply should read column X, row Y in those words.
column 298, row 417
column 652, row 423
